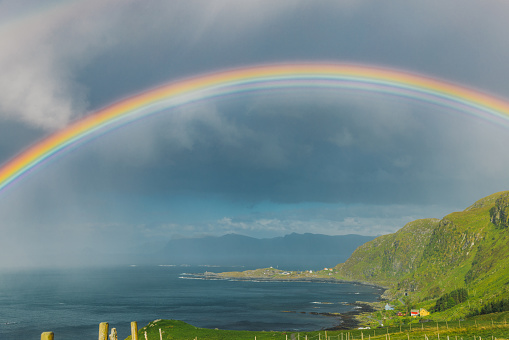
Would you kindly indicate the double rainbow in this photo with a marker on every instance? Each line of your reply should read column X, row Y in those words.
column 282, row 76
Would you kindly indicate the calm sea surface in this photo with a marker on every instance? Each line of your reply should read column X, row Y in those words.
column 72, row 302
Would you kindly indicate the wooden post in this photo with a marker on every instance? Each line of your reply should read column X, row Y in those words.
column 161, row 334
column 146, row 337
column 113, row 334
column 134, row 330
column 47, row 336
column 103, row 331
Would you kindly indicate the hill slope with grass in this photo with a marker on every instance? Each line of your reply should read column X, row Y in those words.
column 429, row 258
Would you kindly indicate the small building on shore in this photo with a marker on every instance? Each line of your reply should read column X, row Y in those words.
column 414, row 313
column 423, row 312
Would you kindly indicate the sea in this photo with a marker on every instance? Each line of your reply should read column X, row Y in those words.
column 72, row 302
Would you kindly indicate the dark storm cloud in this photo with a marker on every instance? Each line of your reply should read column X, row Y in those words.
column 300, row 147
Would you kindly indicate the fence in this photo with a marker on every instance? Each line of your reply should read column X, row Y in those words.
column 425, row 332
column 103, row 332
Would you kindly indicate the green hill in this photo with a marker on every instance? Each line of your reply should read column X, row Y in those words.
column 429, row 258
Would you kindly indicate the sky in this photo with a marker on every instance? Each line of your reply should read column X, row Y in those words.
column 261, row 164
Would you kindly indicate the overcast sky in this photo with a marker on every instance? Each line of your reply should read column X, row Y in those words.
column 262, row 165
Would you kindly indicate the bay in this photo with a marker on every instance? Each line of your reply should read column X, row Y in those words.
column 72, row 302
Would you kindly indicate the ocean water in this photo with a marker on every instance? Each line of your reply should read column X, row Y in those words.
column 72, row 302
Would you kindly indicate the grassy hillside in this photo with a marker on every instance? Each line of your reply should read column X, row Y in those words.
column 428, row 258
column 495, row 327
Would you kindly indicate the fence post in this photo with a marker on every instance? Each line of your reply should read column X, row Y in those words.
column 113, row 335
column 103, row 331
column 134, row 330
column 161, row 334
column 47, row 336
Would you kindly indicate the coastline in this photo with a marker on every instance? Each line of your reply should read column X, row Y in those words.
column 241, row 276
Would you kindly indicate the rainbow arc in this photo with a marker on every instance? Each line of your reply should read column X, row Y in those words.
column 282, row 76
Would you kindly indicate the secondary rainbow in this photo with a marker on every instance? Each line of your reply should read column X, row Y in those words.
column 230, row 82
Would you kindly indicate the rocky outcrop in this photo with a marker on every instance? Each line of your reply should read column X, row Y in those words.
column 500, row 212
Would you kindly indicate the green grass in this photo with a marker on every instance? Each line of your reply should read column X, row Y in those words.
column 486, row 326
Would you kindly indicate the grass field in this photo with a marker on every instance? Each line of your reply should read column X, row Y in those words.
column 492, row 326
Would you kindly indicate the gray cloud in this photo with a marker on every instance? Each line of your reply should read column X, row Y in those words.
column 59, row 58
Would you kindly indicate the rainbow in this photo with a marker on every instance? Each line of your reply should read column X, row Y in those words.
column 230, row 82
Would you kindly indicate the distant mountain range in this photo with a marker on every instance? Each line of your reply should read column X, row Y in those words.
column 294, row 251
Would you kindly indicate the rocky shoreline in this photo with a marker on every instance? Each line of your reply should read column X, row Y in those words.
column 349, row 320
